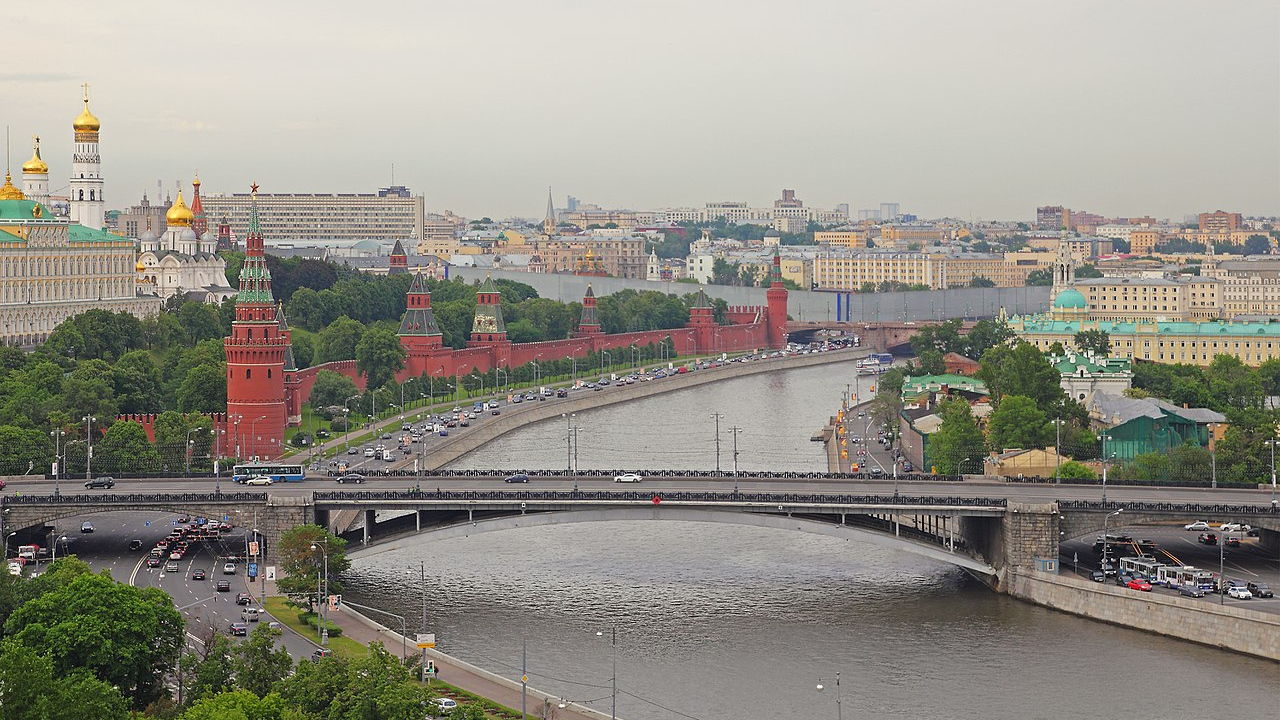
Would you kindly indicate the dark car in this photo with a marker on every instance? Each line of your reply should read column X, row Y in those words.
column 154, row 561
column 1208, row 539
column 197, row 574
column 239, row 628
column 495, row 411
column 320, row 654
column 224, row 586
column 1259, row 590
column 518, row 478
column 101, row 482
column 351, row 478
column 1190, row 591
column 560, row 393
column 1098, row 576
column 243, row 598
column 353, row 451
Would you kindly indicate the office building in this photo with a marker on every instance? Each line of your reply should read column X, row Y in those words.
column 388, row 215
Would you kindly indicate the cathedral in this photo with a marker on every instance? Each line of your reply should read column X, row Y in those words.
column 52, row 269
column 180, row 261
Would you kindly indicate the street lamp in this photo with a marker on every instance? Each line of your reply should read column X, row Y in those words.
column 58, row 456
column 1106, row 544
column 322, row 599
column 820, row 688
column 63, row 540
column 422, row 583
column 238, row 417
column 346, row 418
column 190, row 447
column 88, row 437
column 253, row 433
column 1057, row 450
column 613, row 641
column 716, row 416
column 6, row 544
column 1272, row 443
column 1104, row 438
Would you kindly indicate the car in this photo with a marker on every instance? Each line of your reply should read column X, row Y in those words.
column 243, row 598
column 368, row 452
column 15, row 568
column 198, row 574
column 1239, row 593
column 224, row 586
column 250, row 613
column 386, row 436
column 1259, row 590
column 1233, row 527
column 353, row 451
column 446, row 705
column 562, row 393
column 627, row 478
column 444, row 432
column 518, row 478
column 1226, row 587
column 171, row 567
column 1139, row 584
column 240, row 628
column 229, row 568
column 1232, row 542
column 320, row 653
column 1098, row 576
column 495, row 411
column 322, row 433
column 517, row 399
column 175, row 555
column 86, row 527
column 259, row 480
column 1208, row 539
column 1190, row 591
column 101, row 482
column 351, row 478
column 1199, row 526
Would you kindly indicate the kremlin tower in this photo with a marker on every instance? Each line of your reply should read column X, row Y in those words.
column 257, row 354
column 35, row 176
column 399, row 261
column 588, row 323
column 88, row 207
column 776, row 305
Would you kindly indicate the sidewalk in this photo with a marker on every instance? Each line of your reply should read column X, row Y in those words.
column 460, row 674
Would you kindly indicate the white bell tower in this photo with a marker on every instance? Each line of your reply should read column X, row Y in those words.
column 88, row 207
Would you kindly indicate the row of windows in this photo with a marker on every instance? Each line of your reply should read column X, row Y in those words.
column 64, row 265
column 51, row 291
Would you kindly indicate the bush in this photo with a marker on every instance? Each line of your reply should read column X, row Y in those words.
column 309, row 619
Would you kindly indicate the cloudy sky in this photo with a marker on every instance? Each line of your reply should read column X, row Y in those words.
column 980, row 109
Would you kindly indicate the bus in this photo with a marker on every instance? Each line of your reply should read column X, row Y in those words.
column 1174, row 576
column 277, row 473
column 1145, row 568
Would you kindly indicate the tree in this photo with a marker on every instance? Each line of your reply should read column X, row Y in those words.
column 215, row 672
column 957, row 446
column 1232, row 384
column 1021, row 370
column 201, row 321
column 1018, row 423
column 331, row 389
column 1088, row 271
column 379, row 355
column 204, row 390
column 338, row 340
column 259, row 663
column 126, row 636
column 986, row 334
column 136, row 380
column 302, row 565
column 1040, row 278
column 29, row 689
column 125, row 448
column 979, row 281
column 1097, row 342
column 1072, row 470
column 377, row 686
column 239, row 705
column 930, row 362
column 1257, row 245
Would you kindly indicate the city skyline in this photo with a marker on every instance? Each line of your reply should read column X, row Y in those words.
column 970, row 112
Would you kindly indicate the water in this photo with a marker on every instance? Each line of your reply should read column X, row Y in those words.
column 721, row 622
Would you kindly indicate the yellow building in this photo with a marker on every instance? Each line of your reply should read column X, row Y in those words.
column 1143, row 241
column 842, row 238
column 936, row 270
column 923, row 234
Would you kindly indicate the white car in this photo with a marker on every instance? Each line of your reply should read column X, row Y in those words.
column 259, row 480
column 446, row 705
column 627, row 478
column 15, row 568
column 229, row 569
column 368, row 452
column 1234, row 527
column 1198, row 525
column 1239, row 593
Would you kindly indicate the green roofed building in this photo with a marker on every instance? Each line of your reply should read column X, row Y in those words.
column 1181, row 341
column 52, row 269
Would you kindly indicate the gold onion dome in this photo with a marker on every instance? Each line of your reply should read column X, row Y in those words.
column 86, row 121
column 179, row 215
column 35, row 164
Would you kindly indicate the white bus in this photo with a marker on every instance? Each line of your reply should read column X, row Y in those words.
column 1175, row 576
column 1140, row 566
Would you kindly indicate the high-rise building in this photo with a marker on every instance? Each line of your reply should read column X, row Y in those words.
column 889, row 211
column 1220, row 222
column 390, row 214
column 1053, row 217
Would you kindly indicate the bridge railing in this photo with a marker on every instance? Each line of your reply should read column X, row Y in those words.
column 1165, row 507
column 762, row 474
column 133, row 498
column 770, row 498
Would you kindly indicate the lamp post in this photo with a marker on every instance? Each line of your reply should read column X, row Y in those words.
column 735, row 430
column 88, row 438
column 422, row 628
column 1057, row 451
column 716, row 416
column 191, row 444
column 839, row 709
column 322, row 599
column 63, row 540
column 6, row 544
column 217, row 451
column 1106, row 545
column 58, row 458
column 605, row 354
column 1104, row 438
column 613, row 641
column 1272, row 443
column 253, row 433
column 238, row 417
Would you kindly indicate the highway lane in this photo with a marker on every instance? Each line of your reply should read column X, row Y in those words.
column 1019, row 492
column 203, row 608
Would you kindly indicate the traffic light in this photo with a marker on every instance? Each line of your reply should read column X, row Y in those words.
column 431, row 668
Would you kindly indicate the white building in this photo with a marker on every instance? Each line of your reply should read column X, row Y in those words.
column 180, row 263
column 88, row 207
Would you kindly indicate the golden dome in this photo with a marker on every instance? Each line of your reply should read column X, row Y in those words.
column 9, row 192
column 86, row 121
column 179, row 215
column 140, row 267
column 35, row 164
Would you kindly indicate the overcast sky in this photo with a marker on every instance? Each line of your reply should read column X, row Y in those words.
column 982, row 109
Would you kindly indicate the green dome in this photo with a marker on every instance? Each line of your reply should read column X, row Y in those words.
column 1070, row 299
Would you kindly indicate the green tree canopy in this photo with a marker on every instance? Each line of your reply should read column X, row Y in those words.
column 302, row 565
column 379, row 355
column 1096, row 341
column 1018, row 423
column 1022, row 370
column 338, row 340
column 957, row 446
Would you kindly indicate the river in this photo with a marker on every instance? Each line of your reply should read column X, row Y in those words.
column 720, row 622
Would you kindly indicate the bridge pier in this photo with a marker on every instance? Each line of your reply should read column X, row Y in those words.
column 370, row 519
column 1013, row 541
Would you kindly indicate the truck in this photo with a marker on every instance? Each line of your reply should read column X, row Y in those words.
column 28, row 552
column 388, row 455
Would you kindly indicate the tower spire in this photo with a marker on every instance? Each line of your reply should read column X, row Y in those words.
column 549, row 222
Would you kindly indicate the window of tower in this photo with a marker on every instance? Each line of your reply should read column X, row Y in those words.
column 248, row 372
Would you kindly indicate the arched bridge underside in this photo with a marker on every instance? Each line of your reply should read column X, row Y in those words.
column 935, row 529
column 858, row 528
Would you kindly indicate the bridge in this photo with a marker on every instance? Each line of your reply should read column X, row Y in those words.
column 890, row 337
column 987, row 529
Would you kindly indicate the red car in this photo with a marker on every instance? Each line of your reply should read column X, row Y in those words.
column 1139, row 584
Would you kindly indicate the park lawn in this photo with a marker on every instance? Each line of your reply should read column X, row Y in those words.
column 288, row 615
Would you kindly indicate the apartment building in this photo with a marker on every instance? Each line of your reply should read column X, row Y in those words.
column 1220, row 222
column 850, row 271
column 392, row 213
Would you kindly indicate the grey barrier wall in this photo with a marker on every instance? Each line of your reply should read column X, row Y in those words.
column 802, row 305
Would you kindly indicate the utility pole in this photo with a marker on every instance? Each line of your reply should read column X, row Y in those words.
column 716, row 416
column 735, row 430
